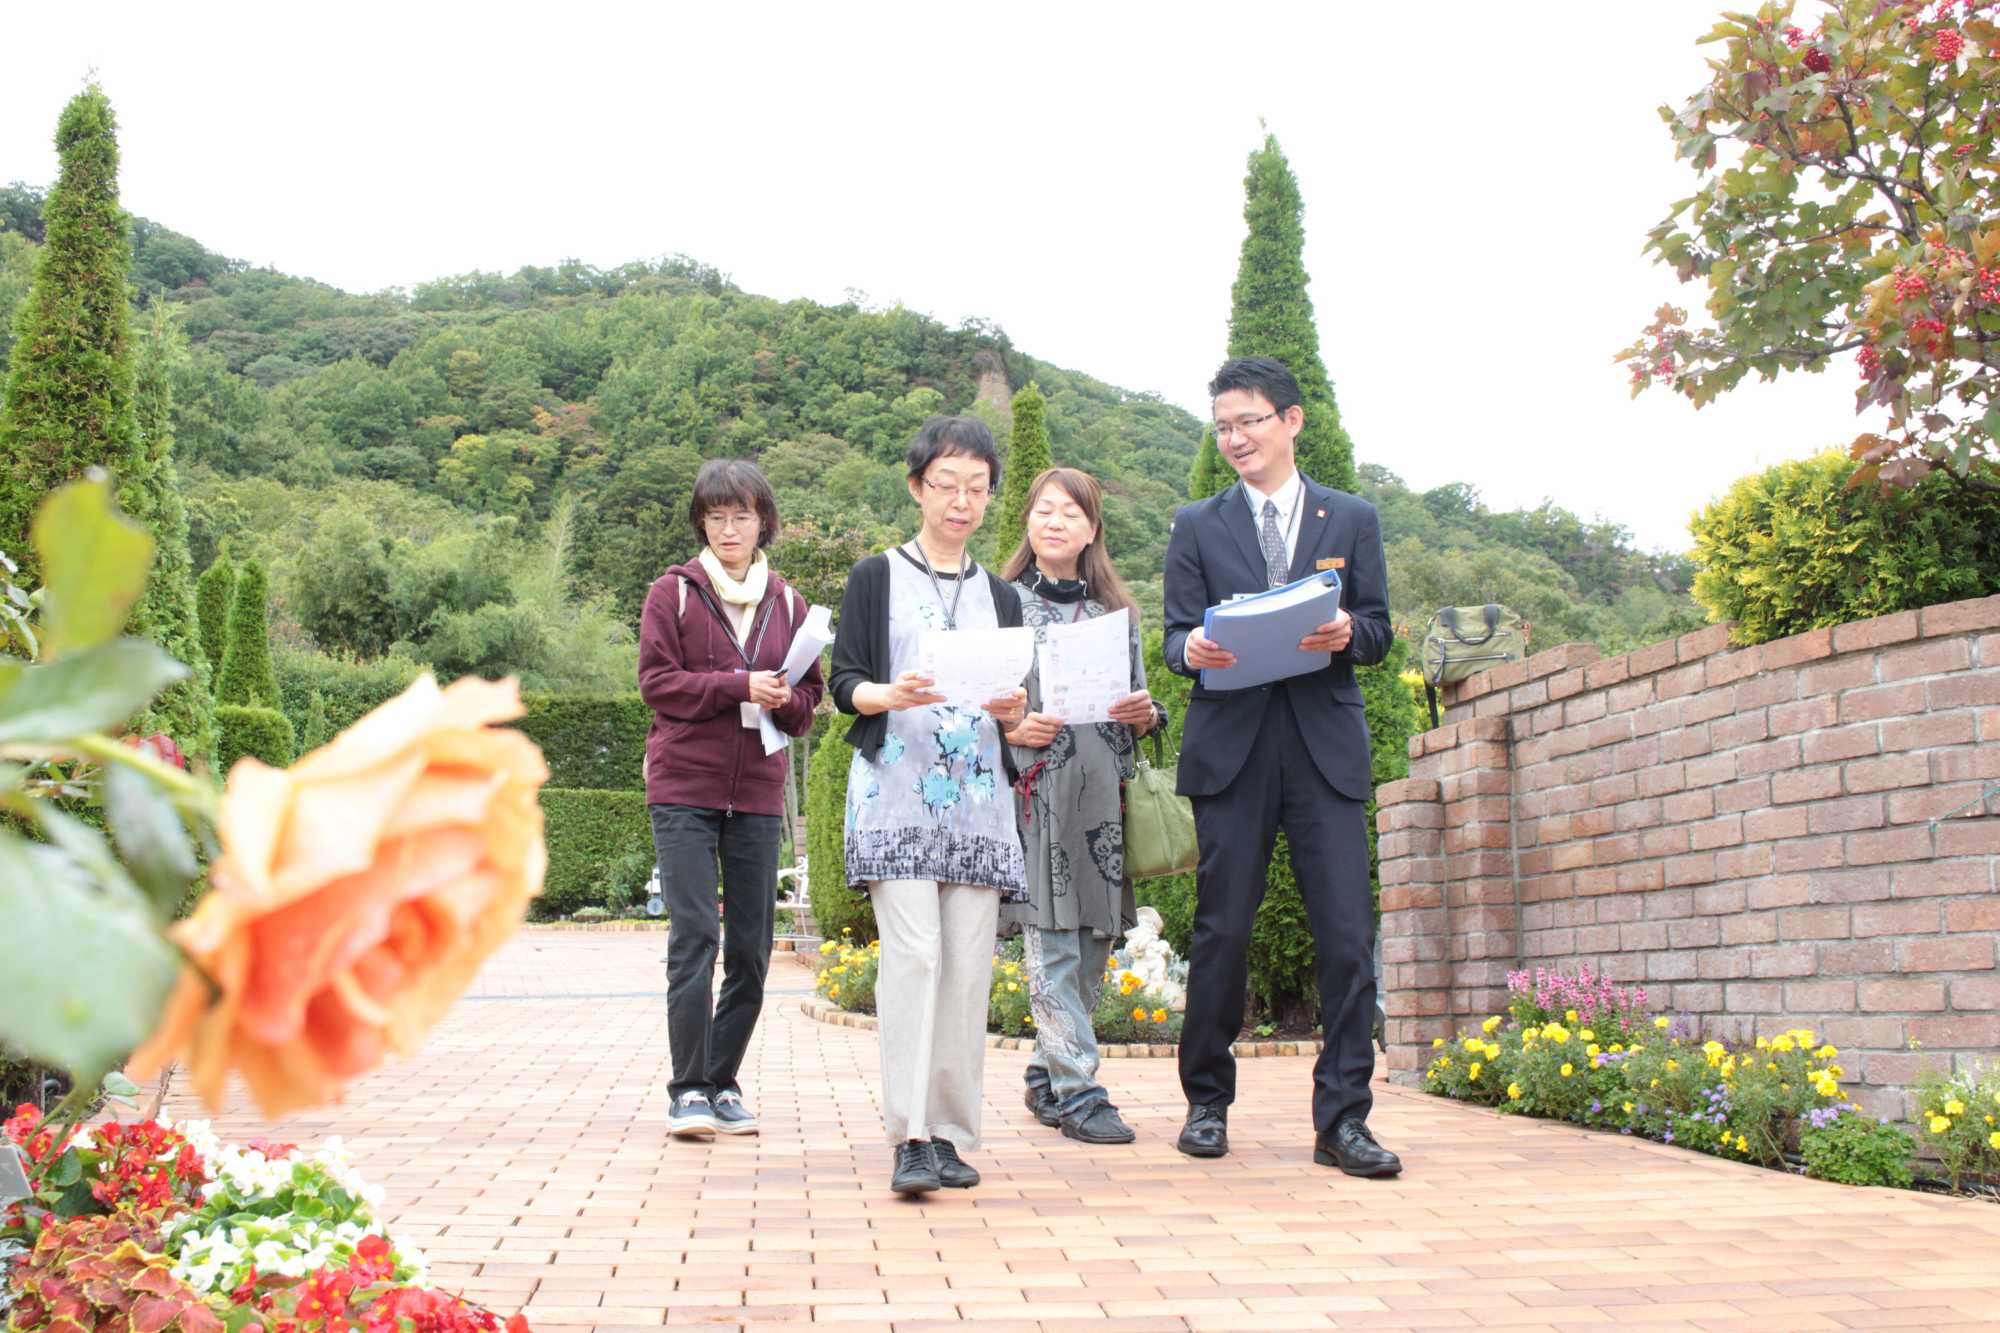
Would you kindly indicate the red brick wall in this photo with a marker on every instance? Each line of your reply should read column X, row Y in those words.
column 1754, row 836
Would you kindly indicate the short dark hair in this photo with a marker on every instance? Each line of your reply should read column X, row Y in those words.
column 1261, row 375
column 727, row 481
column 947, row 437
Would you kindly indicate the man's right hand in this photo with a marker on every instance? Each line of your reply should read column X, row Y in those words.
column 1205, row 656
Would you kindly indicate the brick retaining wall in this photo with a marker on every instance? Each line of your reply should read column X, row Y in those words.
column 1754, row 835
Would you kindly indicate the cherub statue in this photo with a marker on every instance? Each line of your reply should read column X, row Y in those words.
column 1150, row 958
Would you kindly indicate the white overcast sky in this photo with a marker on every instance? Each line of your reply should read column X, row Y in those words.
column 1478, row 182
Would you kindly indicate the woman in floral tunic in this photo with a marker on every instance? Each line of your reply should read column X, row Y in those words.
column 930, row 824
column 1072, row 820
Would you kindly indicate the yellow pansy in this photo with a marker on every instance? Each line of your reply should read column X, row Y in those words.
column 1661, row 1022
column 1826, row 1053
column 1742, row 1144
column 1939, row 1124
column 827, row 947
column 1587, row 1035
column 1013, row 986
column 1672, row 1065
column 1513, row 1092
column 1568, row 1069
column 1491, row 1024
column 1437, row 1043
column 1954, row 1107
column 1570, row 1014
column 1628, row 1108
column 1617, row 1046
column 1993, row 1139
column 1781, row 1043
column 1473, row 1073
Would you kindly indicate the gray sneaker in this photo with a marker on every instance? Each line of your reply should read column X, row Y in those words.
column 691, row 1116
column 732, row 1116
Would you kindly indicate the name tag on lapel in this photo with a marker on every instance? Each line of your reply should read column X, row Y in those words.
column 1337, row 562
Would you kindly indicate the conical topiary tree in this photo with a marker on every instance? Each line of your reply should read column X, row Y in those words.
column 69, row 388
column 214, row 593
column 1209, row 475
column 317, row 731
column 1027, row 458
column 166, row 613
column 1271, row 315
column 248, row 679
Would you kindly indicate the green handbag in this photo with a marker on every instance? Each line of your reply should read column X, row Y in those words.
column 1159, row 825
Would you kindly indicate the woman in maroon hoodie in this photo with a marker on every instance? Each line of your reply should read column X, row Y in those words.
column 712, row 642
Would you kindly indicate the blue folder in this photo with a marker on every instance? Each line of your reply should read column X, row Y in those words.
column 1264, row 630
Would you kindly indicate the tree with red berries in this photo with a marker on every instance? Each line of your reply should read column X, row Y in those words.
column 1847, row 204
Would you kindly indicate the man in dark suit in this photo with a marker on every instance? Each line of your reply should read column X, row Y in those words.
column 1292, row 754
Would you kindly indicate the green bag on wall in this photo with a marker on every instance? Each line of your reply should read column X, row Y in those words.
column 1159, row 825
column 1462, row 641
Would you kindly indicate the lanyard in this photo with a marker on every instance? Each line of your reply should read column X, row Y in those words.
column 729, row 633
column 964, row 573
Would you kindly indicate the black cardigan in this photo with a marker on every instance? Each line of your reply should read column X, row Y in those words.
column 861, row 643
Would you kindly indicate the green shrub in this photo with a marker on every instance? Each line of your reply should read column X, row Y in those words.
column 587, row 831
column 247, row 676
column 590, row 914
column 213, row 592
column 1854, row 1149
column 847, row 972
column 348, row 687
column 316, row 731
column 260, row 733
column 835, row 907
column 1797, row 548
column 621, row 882
column 590, row 740
column 1958, row 1122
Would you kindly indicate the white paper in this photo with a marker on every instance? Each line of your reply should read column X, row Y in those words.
column 972, row 667
column 811, row 640
column 1087, row 667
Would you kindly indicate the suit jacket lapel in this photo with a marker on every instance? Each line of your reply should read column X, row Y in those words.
column 1236, row 517
column 1313, row 499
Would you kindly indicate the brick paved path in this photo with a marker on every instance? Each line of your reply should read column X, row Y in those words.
column 525, row 1149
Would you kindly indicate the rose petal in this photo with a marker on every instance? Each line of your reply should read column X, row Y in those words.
column 335, row 825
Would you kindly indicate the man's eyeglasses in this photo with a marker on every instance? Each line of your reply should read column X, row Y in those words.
column 716, row 521
column 1242, row 425
column 974, row 494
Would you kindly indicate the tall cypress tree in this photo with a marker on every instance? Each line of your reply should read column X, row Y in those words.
column 214, row 593
column 166, row 613
column 69, row 389
column 1027, row 458
column 248, row 679
column 1271, row 315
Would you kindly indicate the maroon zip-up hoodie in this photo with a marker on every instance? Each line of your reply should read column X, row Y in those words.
column 693, row 675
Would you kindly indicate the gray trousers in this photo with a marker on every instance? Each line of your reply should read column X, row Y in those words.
column 931, row 993
column 1065, row 978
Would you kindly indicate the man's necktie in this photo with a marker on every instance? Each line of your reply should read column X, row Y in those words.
column 1275, row 565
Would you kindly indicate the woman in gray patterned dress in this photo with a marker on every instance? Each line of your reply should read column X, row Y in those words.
column 930, row 828
column 1069, row 800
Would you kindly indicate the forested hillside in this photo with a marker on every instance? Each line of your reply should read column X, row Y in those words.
column 486, row 473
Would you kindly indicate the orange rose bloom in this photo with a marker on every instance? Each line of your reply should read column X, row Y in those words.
column 357, row 895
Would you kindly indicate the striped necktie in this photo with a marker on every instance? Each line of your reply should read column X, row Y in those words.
column 1273, row 541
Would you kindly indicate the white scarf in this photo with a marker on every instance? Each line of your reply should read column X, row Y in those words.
column 740, row 598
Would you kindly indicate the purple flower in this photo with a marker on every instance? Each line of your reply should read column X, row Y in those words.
column 1670, row 1136
column 1595, row 1107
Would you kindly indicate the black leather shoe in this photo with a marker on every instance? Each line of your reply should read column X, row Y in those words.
column 1100, row 1124
column 1353, row 1149
column 916, row 1169
column 1206, row 1133
column 952, row 1172
column 1042, row 1104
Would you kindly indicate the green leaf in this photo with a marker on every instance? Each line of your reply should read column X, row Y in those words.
column 94, row 690
column 94, row 566
column 150, row 838
column 87, row 972
column 76, row 1201
column 67, row 1170
column 117, row 1085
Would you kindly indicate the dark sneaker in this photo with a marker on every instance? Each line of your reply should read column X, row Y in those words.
column 1042, row 1104
column 1353, row 1149
column 952, row 1171
column 1098, row 1124
column 732, row 1116
column 916, row 1169
column 691, row 1116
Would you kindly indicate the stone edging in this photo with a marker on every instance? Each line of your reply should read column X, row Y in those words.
column 825, row 1011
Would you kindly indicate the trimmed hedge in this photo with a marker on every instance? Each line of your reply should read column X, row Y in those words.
column 247, row 678
column 834, row 905
column 595, row 741
column 586, row 831
column 260, row 733
column 347, row 686
column 1798, row 547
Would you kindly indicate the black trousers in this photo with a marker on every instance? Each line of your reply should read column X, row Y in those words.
column 707, row 1043
column 1281, row 788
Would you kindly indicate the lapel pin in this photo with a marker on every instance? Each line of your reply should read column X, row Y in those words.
column 1319, row 513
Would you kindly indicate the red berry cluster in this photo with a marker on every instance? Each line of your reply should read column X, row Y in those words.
column 1988, row 280
column 1949, row 43
column 1793, row 36
column 1910, row 286
column 1816, row 61
column 146, row 1166
column 1871, row 361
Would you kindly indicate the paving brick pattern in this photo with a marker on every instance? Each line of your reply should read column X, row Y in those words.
column 525, row 1149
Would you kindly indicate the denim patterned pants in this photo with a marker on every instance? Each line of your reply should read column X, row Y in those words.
column 1065, row 975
